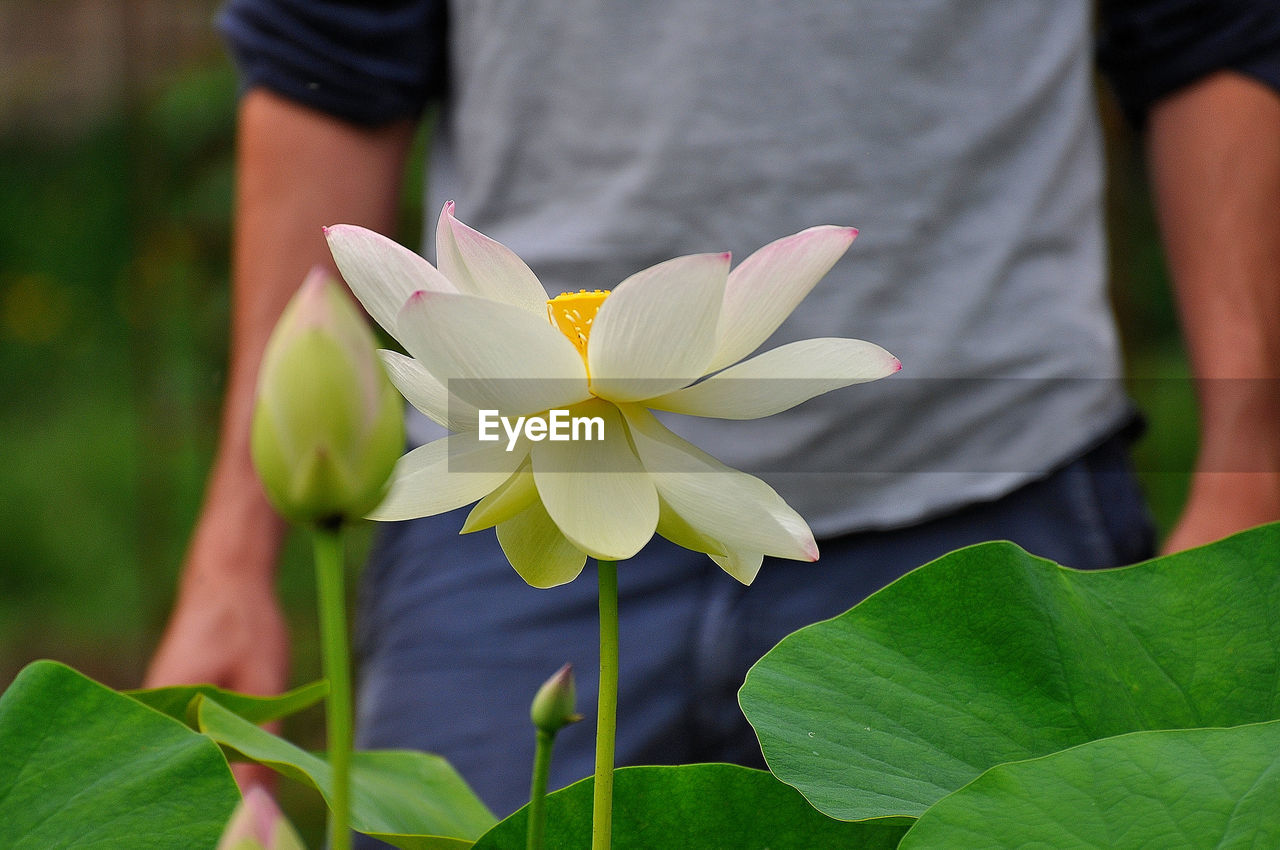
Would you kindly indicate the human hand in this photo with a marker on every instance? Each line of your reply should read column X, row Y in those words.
column 227, row 628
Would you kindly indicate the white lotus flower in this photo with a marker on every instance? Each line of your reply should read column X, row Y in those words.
column 482, row 336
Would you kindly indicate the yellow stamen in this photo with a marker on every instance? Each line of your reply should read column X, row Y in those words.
column 573, row 313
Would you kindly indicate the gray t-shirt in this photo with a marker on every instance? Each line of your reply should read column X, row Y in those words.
column 959, row 136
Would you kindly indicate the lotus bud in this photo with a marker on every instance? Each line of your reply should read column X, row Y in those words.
column 258, row 824
column 327, row 425
column 553, row 705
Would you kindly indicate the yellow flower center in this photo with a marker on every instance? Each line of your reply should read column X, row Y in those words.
column 573, row 313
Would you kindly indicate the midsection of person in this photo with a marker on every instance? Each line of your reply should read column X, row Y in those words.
column 960, row 137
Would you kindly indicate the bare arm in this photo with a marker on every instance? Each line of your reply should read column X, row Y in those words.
column 298, row 170
column 1215, row 164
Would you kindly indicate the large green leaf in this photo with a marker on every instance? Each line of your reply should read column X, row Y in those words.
column 179, row 702
column 84, row 766
column 695, row 807
column 990, row 655
column 413, row 800
column 1182, row 788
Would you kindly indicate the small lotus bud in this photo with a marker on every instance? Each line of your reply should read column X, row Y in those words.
column 328, row 425
column 258, row 824
column 553, row 705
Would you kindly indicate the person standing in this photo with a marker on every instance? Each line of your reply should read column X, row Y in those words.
column 960, row 137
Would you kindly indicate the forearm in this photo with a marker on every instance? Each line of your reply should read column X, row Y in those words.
column 1214, row 153
column 298, row 170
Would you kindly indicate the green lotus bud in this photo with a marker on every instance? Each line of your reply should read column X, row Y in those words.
column 258, row 824
column 553, row 705
column 328, row 425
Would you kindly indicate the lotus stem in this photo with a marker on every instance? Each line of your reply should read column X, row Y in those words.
column 536, row 838
column 606, row 708
column 332, row 600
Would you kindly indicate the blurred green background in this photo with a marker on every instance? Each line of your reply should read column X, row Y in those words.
column 115, row 169
column 116, row 145
column 115, row 188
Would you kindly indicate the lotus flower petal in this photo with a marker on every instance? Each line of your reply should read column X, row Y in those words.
column 478, row 265
column 258, row 824
column 781, row 378
column 446, row 474
column 768, row 285
column 533, row 544
column 742, row 565
column 492, row 355
column 656, row 331
column 596, row 490
column 508, row 499
column 735, row 509
column 382, row 274
column 421, row 389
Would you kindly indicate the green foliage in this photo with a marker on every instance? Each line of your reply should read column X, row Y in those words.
column 702, row 806
column 84, row 766
column 412, row 800
column 181, row 701
column 987, row 699
column 112, row 325
column 114, row 298
column 1183, row 788
column 990, row 655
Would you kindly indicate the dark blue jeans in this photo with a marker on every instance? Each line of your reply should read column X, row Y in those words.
column 453, row 645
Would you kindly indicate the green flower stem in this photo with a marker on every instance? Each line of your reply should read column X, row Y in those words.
column 606, row 708
column 337, row 669
column 538, row 791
